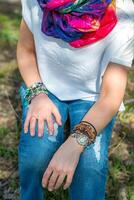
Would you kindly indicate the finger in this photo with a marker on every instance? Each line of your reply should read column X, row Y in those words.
column 40, row 127
column 52, row 180
column 59, row 181
column 68, row 181
column 50, row 125
column 46, row 176
column 32, row 125
column 57, row 116
column 27, row 121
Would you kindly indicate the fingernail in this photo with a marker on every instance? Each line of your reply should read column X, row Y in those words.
column 43, row 185
column 50, row 189
column 25, row 131
column 40, row 135
column 51, row 133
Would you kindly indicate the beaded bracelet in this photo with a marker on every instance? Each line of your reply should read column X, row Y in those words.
column 86, row 122
column 35, row 89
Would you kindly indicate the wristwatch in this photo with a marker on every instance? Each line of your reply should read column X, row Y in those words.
column 82, row 139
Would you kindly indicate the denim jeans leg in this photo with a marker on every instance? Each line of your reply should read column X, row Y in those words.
column 34, row 153
column 89, row 181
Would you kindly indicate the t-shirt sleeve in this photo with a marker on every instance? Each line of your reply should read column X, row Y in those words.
column 124, row 54
column 26, row 13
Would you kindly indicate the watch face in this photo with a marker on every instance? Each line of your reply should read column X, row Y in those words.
column 83, row 139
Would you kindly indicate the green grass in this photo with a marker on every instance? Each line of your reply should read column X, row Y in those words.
column 3, row 132
column 8, row 153
column 131, row 193
column 9, row 28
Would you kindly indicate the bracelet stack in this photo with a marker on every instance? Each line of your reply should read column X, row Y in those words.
column 85, row 128
column 88, row 129
column 35, row 89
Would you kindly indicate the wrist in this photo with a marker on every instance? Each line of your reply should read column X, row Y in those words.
column 87, row 129
column 39, row 95
column 34, row 90
column 75, row 144
column 83, row 134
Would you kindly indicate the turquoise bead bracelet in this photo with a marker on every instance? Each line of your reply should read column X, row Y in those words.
column 35, row 89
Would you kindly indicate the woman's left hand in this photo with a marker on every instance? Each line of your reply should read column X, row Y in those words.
column 63, row 163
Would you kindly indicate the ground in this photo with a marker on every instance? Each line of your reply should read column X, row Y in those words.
column 120, row 184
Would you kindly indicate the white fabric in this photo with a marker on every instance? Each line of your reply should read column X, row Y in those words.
column 76, row 73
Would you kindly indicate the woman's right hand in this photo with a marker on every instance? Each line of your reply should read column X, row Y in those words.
column 41, row 108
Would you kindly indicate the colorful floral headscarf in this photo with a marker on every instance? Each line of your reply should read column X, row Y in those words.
column 78, row 22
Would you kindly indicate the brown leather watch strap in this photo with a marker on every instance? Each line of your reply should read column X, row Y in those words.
column 86, row 129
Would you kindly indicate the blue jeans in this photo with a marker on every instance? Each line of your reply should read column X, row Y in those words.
column 34, row 154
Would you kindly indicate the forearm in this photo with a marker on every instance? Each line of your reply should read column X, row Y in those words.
column 27, row 65
column 26, row 56
column 111, row 95
column 102, row 111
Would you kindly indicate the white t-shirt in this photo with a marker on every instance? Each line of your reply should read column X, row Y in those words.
column 76, row 73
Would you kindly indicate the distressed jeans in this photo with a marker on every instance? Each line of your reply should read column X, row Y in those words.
column 34, row 154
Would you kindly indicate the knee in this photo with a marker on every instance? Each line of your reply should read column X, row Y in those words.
column 33, row 160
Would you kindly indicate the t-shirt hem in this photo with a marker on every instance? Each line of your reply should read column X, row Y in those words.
column 121, row 62
column 94, row 98
column 27, row 22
